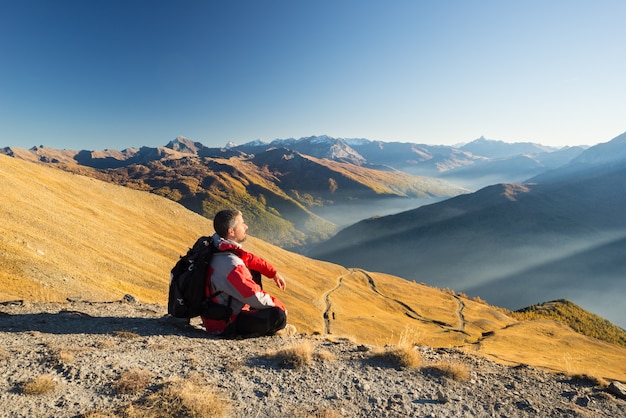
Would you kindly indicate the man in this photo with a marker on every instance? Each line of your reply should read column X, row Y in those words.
column 236, row 275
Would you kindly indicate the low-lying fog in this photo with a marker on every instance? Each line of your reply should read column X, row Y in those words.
column 593, row 276
column 344, row 215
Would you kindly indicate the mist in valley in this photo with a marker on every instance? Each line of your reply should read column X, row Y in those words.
column 513, row 247
column 591, row 273
column 346, row 214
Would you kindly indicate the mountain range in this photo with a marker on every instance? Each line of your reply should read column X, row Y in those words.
column 473, row 165
column 560, row 234
column 301, row 191
column 297, row 193
column 295, row 199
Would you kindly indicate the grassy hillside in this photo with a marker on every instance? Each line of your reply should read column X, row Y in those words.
column 65, row 235
column 204, row 185
column 577, row 318
column 280, row 190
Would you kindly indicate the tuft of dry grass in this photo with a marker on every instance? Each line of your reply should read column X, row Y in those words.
column 181, row 398
column 410, row 337
column 403, row 352
column 450, row 369
column 39, row 386
column 288, row 331
column 132, row 381
column 325, row 355
column 400, row 355
column 294, row 355
column 63, row 355
column 589, row 379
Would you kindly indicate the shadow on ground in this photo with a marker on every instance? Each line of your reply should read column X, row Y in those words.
column 68, row 322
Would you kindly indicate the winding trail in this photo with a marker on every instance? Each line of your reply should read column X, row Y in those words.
column 410, row 312
column 329, row 315
column 459, row 313
column 327, row 312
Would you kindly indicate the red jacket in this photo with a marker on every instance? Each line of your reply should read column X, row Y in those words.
column 230, row 274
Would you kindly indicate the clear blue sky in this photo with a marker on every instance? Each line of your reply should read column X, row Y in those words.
column 114, row 74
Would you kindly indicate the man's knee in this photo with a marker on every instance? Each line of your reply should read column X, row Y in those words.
column 278, row 319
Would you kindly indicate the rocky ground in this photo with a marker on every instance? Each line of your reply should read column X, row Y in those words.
column 117, row 359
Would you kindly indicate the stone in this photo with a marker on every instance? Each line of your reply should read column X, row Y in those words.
column 618, row 389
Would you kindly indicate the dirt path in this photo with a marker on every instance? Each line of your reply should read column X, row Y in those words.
column 411, row 313
column 459, row 312
column 328, row 314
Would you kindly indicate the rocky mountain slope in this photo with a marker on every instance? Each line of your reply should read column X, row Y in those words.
column 123, row 359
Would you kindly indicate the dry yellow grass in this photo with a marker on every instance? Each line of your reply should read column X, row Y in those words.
column 294, row 355
column 39, row 386
column 554, row 346
column 452, row 370
column 401, row 355
column 64, row 355
column 132, row 381
column 182, row 398
column 400, row 350
column 65, row 235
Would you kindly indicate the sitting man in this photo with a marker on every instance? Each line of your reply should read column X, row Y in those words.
column 235, row 275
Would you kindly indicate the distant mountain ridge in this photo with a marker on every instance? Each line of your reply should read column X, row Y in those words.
column 473, row 165
column 290, row 196
column 345, row 178
column 499, row 149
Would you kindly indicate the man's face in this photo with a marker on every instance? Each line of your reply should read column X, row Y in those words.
column 238, row 233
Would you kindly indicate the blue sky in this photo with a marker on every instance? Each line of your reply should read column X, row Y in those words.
column 115, row 74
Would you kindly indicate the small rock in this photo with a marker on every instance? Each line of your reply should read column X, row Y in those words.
column 129, row 299
column 441, row 397
column 583, row 401
column 618, row 389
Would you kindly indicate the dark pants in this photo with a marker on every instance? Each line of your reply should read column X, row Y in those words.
column 257, row 322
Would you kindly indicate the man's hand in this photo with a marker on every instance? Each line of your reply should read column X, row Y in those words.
column 280, row 281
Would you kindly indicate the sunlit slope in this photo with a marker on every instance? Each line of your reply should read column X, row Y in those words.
column 64, row 235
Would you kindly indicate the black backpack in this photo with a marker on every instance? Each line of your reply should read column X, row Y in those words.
column 187, row 285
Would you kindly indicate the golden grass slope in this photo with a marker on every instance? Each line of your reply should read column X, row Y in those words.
column 64, row 235
column 67, row 235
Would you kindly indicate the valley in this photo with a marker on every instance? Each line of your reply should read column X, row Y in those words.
column 560, row 235
column 512, row 245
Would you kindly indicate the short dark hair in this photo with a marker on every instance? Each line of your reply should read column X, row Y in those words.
column 225, row 219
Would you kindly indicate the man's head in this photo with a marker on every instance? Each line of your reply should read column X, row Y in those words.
column 229, row 224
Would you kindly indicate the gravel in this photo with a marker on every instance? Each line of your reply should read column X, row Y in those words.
column 86, row 348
